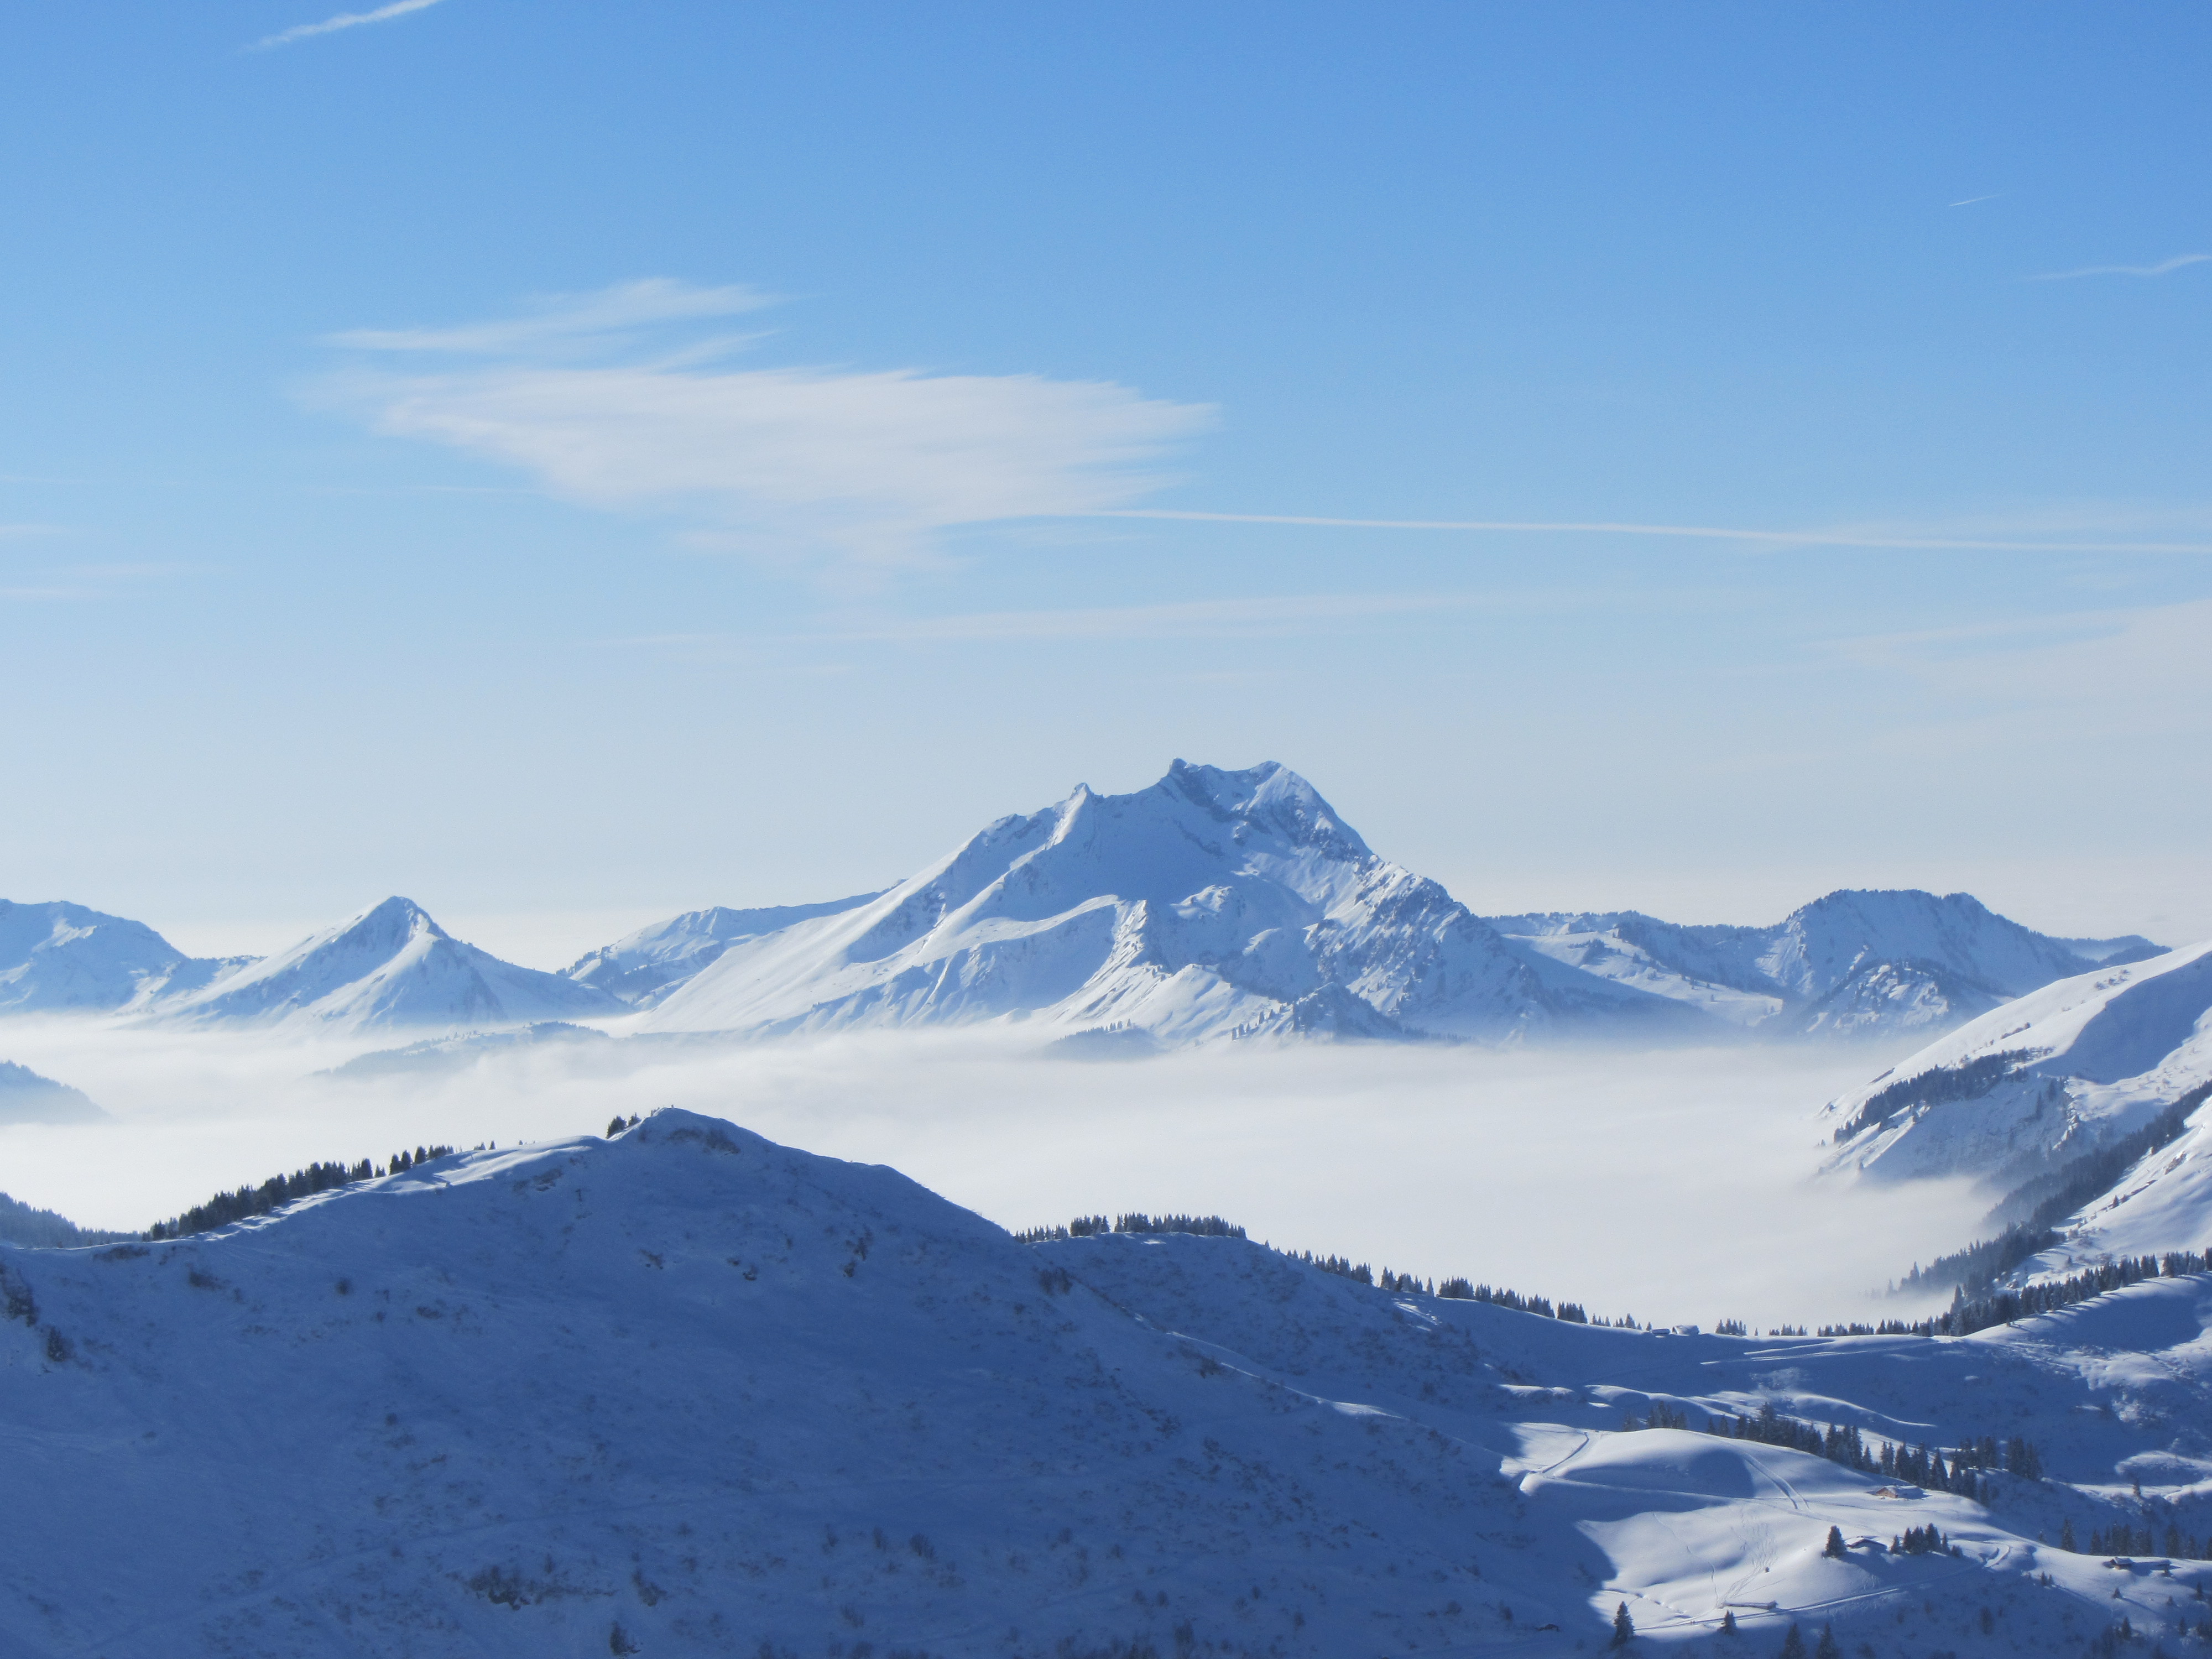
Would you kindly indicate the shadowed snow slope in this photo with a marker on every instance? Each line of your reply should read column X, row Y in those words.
column 1213, row 904
column 63, row 957
column 690, row 1392
column 639, row 968
column 1851, row 965
column 389, row 966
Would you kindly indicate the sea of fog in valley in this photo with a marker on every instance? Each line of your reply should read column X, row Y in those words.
column 1671, row 1185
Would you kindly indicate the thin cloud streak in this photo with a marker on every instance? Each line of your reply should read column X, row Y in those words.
column 2159, row 269
column 867, row 467
column 1254, row 617
column 1972, row 200
column 1701, row 533
column 623, row 308
column 344, row 19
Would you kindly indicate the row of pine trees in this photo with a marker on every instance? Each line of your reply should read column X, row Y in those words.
column 279, row 1191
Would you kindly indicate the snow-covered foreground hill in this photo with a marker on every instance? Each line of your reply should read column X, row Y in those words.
column 692, row 1392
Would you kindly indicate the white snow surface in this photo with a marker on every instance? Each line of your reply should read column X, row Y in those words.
column 691, row 1391
column 390, row 965
column 1214, row 904
column 639, row 968
column 1854, row 964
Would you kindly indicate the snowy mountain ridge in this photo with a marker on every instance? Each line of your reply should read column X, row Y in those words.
column 63, row 957
column 690, row 1391
column 639, row 969
column 2031, row 1090
column 1854, row 963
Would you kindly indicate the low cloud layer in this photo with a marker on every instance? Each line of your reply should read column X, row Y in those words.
column 588, row 396
column 1671, row 1186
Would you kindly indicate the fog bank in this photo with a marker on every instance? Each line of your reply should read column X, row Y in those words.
column 1669, row 1185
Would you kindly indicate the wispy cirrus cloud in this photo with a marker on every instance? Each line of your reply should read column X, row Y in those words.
column 588, row 394
column 2164, row 267
column 344, row 19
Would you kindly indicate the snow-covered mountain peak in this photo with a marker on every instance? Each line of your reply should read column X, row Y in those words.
column 1212, row 903
column 391, row 964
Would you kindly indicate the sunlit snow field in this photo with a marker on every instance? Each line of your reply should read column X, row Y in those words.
column 1670, row 1185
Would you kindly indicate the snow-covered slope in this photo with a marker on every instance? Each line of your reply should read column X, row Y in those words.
column 389, row 966
column 27, row 1097
column 2040, row 1082
column 1854, row 964
column 62, row 957
column 691, row 1391
column 1213, row 904
column 639, row 968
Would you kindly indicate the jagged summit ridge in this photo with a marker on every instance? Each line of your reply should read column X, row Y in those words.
column 1213, row 903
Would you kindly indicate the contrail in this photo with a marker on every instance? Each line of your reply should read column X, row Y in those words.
column 1712, row 532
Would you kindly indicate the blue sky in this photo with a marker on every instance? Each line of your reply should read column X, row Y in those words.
column 570, row 462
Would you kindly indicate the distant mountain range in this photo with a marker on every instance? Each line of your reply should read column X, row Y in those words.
column 1850, row 964
column 390, row 966
column 1215, row 904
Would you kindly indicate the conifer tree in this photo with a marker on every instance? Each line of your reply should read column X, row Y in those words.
column 1828, row 1648
column 1624, row 1627
column 1728, row 1621
column 1793, row 1645
column 1834, row 1549
column 2066, row 1538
